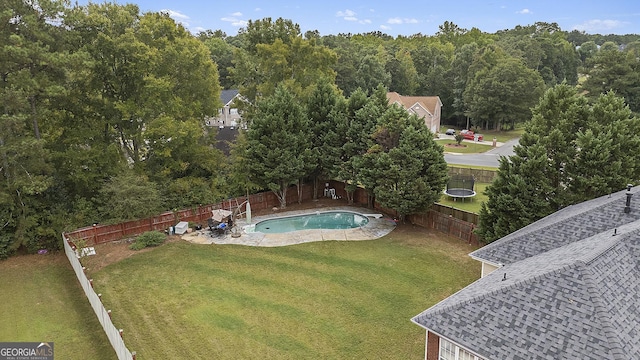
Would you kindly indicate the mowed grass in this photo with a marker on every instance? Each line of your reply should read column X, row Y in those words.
column 322, row 300
column 467, row 147
column 503, row 136
column 42, row 301
column 471, row 205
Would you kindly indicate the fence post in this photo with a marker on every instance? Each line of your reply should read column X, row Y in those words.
column 471, row 233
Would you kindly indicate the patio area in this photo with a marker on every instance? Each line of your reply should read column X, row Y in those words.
column 378, row 226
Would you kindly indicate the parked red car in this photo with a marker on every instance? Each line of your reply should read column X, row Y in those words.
column 470, row 135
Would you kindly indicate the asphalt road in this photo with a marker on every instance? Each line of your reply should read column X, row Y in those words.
column 489, row 158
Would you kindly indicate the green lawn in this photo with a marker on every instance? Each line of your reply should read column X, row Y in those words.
column 42, row 301
column 471, row 205
column 501, row 136
column 322, row 300
column 469, row 147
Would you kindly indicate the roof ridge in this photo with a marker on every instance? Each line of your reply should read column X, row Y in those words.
column 601, row 311
column 509, row 238
column 620, row 236
column 500, row 289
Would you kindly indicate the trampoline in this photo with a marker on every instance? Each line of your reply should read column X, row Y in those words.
column 460, row 187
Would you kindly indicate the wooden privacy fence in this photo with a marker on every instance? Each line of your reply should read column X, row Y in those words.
column 100, row 234
column 456, row 213
column 482, row 176
column 455, row 222
column 446, row 224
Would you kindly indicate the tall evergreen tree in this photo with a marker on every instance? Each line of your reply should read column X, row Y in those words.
column 326, row 121
column 354, row 143
column 571, row 151
column 279, row 144
column 409, row 170
column 362, row 119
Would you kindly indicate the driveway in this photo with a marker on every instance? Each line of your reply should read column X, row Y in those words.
column 489, row 158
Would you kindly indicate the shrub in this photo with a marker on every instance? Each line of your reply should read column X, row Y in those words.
column 5, row 246
column 149, row 238
column 459, row 138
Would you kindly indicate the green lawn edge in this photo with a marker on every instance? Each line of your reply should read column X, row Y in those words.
column 327, row 299
column 42, row 301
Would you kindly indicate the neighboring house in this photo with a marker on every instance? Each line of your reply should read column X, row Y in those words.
column 425, row 107
column 564, row 287
column 227, row 115
column 227, row 121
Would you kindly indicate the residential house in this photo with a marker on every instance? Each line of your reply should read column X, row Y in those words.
column 425, row 107
column 228, row 115
column 564, row 287
column 227, row 121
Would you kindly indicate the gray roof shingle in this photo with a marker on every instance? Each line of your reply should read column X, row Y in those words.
column 227, row 95
column 577, row 300
column 568, row 225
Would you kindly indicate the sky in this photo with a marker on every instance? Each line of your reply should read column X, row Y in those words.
column 402, row 17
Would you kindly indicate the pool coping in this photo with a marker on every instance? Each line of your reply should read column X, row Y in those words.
column 378, row 226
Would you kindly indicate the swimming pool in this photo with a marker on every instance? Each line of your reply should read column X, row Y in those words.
column 319, row 220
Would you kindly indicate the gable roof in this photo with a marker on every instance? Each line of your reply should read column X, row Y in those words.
column 573, row 223
column 576, row 300
column 425, row 104
column 226, row 96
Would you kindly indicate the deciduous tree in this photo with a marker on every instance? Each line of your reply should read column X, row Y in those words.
column 503, row 93
column 614, row 70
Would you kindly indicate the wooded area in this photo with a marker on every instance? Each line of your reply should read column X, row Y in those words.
column 103, row 109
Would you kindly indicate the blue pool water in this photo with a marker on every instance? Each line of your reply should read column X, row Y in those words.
column 319, row 220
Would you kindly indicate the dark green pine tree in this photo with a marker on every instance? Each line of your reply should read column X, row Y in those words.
column 605, row 159
column 325, row 121
column 405, row 167
column 413, row 174
column 518, row 196
column 361, row 117
column 278, row 152
column 571, row 151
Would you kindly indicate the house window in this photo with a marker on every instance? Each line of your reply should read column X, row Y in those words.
column 233, row 111
column 447, row 350
column 450, row 351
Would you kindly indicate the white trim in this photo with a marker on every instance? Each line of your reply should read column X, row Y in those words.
column 498, row 265
column 422, row 107
column 456, row 350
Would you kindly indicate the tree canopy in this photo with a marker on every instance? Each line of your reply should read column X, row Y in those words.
column 279, row 143
column 572, row 150
column 101, row 100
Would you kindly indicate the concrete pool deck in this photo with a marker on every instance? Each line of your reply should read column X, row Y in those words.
column 379, row 225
